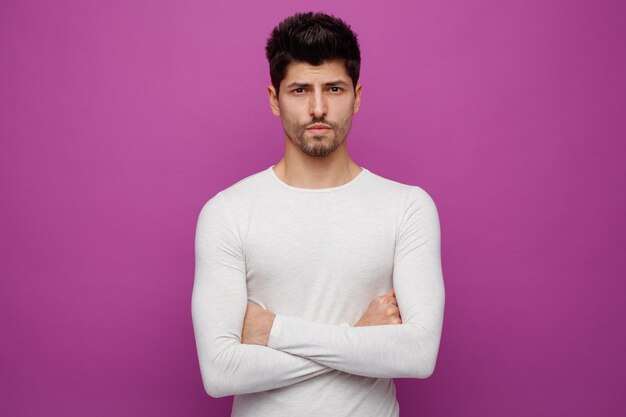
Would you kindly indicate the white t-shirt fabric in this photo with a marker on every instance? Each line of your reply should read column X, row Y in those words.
column 316, row 258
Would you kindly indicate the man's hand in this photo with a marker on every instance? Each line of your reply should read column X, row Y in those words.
column 382, row 310
column 257, row 325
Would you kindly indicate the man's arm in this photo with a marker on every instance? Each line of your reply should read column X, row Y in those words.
column 219, row 302
column 407, row 350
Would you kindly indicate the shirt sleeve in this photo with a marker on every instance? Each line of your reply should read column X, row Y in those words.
column 219, row 303
column 407, row 350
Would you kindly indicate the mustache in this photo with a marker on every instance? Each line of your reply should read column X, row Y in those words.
column 321, row 120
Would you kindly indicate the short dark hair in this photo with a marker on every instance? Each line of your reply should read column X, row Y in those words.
column 312, row 38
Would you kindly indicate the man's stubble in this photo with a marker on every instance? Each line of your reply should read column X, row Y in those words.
column 314, row 145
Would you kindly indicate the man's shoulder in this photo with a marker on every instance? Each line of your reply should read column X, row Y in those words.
column 246, row 189
column 252, row 183
column 389, row 187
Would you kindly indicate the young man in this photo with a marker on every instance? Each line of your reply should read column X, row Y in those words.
column 317, row 281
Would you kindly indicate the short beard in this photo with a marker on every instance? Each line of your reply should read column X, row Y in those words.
column 315, row 149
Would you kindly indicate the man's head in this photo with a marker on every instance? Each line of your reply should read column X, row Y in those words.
column 314, row 65
column 312, row 38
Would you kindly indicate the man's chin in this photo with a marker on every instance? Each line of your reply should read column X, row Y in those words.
column 319, row 150
column 317, row 153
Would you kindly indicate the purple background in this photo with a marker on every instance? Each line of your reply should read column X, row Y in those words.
column 119, row 119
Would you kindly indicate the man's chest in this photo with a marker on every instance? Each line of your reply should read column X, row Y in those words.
column 299, row 262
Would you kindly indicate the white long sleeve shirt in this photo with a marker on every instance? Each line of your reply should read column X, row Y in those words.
column 316, row 258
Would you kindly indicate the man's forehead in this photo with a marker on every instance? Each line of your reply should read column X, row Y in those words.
column 299, row 71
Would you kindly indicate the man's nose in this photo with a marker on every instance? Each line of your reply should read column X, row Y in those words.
column 317, row 105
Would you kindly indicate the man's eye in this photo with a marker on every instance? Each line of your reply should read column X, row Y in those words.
column 298, row 90
column 336, row 89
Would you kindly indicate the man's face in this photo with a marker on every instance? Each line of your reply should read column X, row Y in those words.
column 316, row 104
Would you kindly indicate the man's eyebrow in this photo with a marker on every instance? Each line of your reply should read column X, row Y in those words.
column 297, row 84
column 338, row 82
column 327, row 84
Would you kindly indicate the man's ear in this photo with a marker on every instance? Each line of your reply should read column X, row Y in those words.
column 273, row 97
column 357, row 98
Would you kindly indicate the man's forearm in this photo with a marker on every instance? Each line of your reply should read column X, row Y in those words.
column 229, row 367
column 388, row 351
column 243, row 369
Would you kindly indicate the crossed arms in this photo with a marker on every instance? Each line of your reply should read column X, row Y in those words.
column 299, row 349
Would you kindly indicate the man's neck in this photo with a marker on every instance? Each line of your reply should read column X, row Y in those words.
column 321, row 172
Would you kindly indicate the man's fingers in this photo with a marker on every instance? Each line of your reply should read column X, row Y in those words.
column 388, row 298
column 393, row 311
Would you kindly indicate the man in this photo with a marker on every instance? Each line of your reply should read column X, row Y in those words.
column 317, row 281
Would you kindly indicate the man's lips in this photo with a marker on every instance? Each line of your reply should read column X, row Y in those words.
column 318, row 128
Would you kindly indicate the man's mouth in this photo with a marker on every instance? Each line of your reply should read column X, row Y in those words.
column 318, row 126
